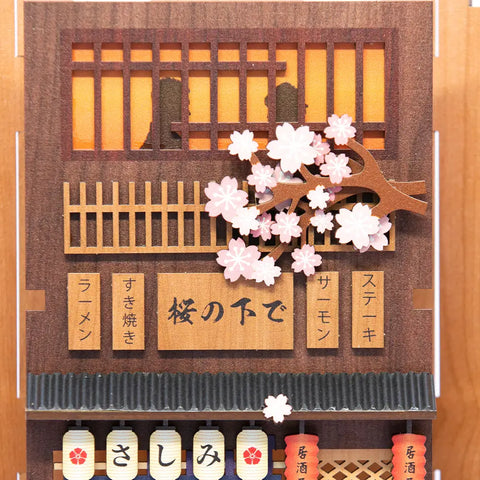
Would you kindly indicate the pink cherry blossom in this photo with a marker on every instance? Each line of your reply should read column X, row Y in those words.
column 225, row 199
column 246, row 220
column 285, row 177
column 292, row 147
column 322, row 148
column 286, row 225
column 305, row 260
column 379, row 240
column 318, row 197
column 322, row 221
column 266, row 271
column 335, row 167
column 238, row 260
column 242, row 145
column 262, row 177
column 356, row 225
column 340, row 129
column 332, row 191
column 264, row 227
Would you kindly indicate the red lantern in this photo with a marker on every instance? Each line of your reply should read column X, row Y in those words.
column 408, row 457
column 301, row 457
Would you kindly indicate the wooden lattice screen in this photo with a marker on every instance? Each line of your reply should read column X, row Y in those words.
column 164, row 226
column 301, row 40
column 356, row 464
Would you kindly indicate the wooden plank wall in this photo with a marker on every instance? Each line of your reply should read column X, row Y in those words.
column 457, row 118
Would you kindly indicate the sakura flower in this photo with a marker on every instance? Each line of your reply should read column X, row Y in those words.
column 242, row 145
column 379, row 239
column 264, row 227
column 246, row 220
column 238, row 260
column 322, row 221
column 332, row 191
column 225, row 199
column 261, row 177
column 340, row 129
column 266, row 271
column 305, row 260
column 293, row 147
column 356, row 225
column 277, row 408
column 322, row 148
column 318, row 197
column 335, row 167
column 286, row 225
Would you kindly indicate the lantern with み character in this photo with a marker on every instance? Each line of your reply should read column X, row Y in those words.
column 252, row 454
column 208, row 454
column 122, row 454
column 78, row 454
column 408, row 457
column 165, row 455
column 301, row 457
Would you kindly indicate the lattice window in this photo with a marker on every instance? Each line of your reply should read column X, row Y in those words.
column 146, row 218
column 142, row 93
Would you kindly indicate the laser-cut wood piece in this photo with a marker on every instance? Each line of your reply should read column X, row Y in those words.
column 302, row 38
column 322, row 310
column 128, row 311
column 367, row 310
column 155, row 242
column 201, row 311
column 84, row 319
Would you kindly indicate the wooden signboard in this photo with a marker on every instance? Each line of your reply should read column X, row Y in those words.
column 84, row 311
column 322, row 310
column 367, row 310
column 128, row 311
column 202, row 311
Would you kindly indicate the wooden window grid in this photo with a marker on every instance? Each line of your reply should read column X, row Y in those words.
column 242, row 37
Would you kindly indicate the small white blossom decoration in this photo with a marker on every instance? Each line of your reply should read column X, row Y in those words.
column 277, row 408
column 242, row 145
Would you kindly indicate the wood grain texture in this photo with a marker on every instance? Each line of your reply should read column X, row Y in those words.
column 203, row 311
column 84, row 318
column 128, row 311
column 368, row 325
column 322, row 310
column 456, row 108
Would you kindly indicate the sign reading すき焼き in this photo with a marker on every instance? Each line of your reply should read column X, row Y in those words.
column 201, row 311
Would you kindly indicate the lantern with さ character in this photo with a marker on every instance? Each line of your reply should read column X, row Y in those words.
column 408, row 457
column 252, row 454
column 208, row 454
column 78, row 454
column 122, row 454
column 165, row 456
column 301, row 457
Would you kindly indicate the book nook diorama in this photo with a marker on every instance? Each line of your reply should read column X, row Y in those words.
column 228, row 212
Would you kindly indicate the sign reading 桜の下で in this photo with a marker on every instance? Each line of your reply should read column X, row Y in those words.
column 203, row 311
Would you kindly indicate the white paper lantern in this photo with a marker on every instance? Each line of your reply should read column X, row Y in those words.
column 208, row 454
column 78, row 457
column 165, row 455
column 252, row 454
column 122, row 454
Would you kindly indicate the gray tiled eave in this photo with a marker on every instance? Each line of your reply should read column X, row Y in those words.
column 392, row 394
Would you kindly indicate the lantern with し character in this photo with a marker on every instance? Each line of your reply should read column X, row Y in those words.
column 165, row 456
column 78, row 454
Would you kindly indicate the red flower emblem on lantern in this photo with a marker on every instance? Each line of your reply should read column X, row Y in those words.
column 252, row 456
column 78, row 456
